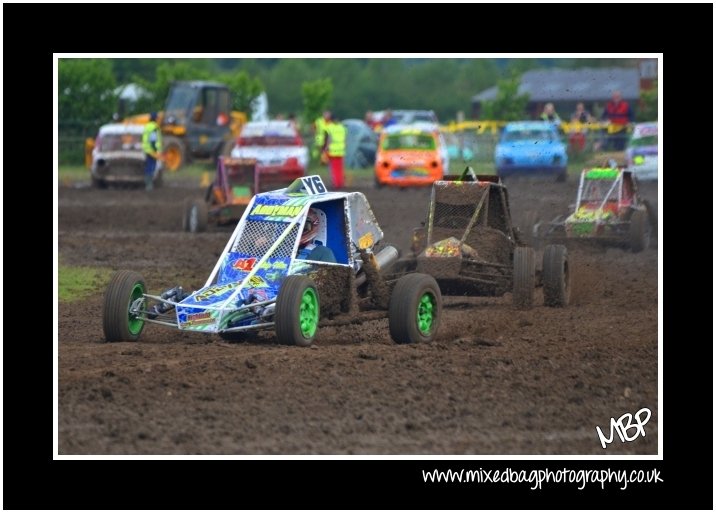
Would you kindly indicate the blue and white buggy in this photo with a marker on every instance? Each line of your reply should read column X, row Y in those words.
column 262, row 281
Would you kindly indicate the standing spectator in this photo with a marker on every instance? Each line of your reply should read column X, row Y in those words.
column 319, row 134
column 578, row 136
column 335, row 146
column 152, row 147
column 619, row 114
column 548, row 114
column 388, row 119
column 580, row 115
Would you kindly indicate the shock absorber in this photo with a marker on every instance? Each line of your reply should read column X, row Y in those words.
column 175, row 294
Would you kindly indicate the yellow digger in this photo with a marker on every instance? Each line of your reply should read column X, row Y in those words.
column 197, row 123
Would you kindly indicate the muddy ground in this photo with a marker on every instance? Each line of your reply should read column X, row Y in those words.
column 496, row 380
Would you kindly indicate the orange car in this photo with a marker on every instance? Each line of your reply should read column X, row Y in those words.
column 410, row 155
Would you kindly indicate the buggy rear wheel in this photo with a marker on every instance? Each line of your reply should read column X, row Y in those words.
column 196, row 216
column 298, row 310
column 556, row 276
column 414, row 309
column 639, row 231
column 523, row 278
column 119, row 322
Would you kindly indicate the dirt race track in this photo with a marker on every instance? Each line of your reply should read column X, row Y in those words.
column 496, row 380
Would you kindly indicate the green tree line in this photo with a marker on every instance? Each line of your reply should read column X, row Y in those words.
column 445, row 85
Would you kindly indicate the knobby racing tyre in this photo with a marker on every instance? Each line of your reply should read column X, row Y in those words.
column 639, row 231
column 523, row 278
column 298, row 310
column 415, row 308
column 556, row 276
column 196, row 216
column 119, row 323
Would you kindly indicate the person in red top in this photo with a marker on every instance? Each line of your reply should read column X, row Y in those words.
column 619, row 114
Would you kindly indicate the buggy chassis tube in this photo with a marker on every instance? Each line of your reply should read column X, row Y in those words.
column 223, row 309
column 208, row 307
column 258, row 264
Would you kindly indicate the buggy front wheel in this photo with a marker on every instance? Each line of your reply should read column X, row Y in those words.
column 298, row 310
column 119, row 322
column 556, row 276
column 196, row 216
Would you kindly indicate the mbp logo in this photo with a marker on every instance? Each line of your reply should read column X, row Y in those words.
column 623, row 425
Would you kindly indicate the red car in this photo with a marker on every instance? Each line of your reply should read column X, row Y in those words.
column 276, row 146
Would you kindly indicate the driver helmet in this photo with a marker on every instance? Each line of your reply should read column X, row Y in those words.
column 310, row 228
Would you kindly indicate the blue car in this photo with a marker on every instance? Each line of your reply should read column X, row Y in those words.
column 528, row 147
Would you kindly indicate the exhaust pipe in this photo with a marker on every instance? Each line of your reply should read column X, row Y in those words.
column 386, row 257
column 383, row 259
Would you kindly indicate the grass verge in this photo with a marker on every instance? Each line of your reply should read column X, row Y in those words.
column 77, row 283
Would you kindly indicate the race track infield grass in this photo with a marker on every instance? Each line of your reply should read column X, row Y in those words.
column 76, row 283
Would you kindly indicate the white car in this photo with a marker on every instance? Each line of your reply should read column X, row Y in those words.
column 275, row 144
column 117, row 156
column 642, row 154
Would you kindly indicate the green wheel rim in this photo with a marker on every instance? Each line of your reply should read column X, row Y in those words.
column 308, row 313
column 426, row 310
column 134, row 323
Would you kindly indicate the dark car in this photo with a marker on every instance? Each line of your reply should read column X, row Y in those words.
column 361, row 144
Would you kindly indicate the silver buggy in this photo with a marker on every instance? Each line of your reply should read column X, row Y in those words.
column 300, row 257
